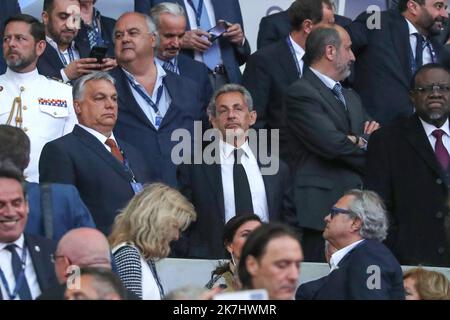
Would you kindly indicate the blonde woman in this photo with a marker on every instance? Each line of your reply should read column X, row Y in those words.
column 142, row 233
column 422, row 284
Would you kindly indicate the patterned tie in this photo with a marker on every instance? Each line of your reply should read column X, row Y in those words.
column 114, row 149
column 242, row 193
column 211, row 57
column 440, row 150
column 16, row 262
column 337, row 90
column 168, row 65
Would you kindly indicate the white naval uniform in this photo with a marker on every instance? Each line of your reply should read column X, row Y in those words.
column 47, row 110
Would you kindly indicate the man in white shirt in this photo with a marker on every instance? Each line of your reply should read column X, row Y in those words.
column 25, row 264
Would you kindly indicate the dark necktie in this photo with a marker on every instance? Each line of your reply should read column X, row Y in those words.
column 337, row 90
column 168, row 65
column 242, row 193
column 24, row 290
column 114, row 149
column 440, row 150
column 419, row 50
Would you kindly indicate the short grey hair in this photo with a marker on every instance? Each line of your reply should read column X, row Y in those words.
column 229, row 87
column 148, row 21
column 166, row 7
column 318, row 40
column 369, row 208
column 80, row 83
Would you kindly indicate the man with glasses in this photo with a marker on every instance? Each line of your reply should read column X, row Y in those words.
column 408, row 167
column 362, row 268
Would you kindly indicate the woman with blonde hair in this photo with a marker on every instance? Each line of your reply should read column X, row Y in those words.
column 142, row 233
column 421, row 284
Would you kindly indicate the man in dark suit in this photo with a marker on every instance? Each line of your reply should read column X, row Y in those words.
column 66, row 56
column 213, row 188
column 7, row 9
column 54, row 208
column 153, row 103
column 277, row 26
column 329, row 129
column 25, row 264
column 388, row 55
column 272, row 69
column 234, row 48
column 107, row 172
column 407, row 167
column 362, row 268
column 170, row 21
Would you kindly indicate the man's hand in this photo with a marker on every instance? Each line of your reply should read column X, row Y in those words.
column 360, row 142
column 371, row 126
column 196, row 40
column 235, row 34
column 108, row 64
column 80, row 67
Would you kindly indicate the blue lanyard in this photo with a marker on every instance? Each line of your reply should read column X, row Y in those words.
column 198, row 11
column 19, row 279
column 146, row 97
column 297, row 64
column 63, row 59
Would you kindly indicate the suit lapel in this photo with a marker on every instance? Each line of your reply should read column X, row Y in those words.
column 287, row 61
column 400, row 39
column 94, row 144
column 214, row 174
column 53, row 57
column 37, row 260
column 171, row 85
column 354, row 112
column 416, row 136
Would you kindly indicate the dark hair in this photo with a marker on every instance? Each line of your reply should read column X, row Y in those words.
column 9, row 171
column 48, row 6
column 15, row 146
column 318, row 40
column 37, row 28
column 300, row 10
column 256, row 245
column 425, row 67
column 402, row 4
column 106, row 282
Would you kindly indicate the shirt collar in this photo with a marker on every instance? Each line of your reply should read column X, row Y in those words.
column 341, row 253
column 429, row 128
column 330, row 83
column 97, row 134
column 160, row 75
column 297, row 49
column 19, row 243
column 412, row 29
column 172, row 61
column 227, row 149
column 19, row 77
column 55, row 45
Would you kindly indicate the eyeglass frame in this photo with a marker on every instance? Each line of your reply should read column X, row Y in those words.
column 334, row 211
column 441, row 88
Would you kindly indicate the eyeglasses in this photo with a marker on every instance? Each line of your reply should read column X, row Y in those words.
column 440, row 88
column 53, row 258
column 335, row 211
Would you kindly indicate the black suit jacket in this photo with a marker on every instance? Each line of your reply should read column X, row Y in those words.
column 202, row 185
column 369, row 263
column 41, row 250
column 268, row 73
column 402, row 168
column 107, row 27
column 326, row 162
column 383, row 65
column 308, row 290
column 277, row 26
column 80, row 159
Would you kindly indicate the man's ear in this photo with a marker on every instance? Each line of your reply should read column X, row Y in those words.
column 356, row 225
column 253, row 117
column 252, row 265
column 76, row 107
column 307, row 26
column 40, row 47
column 45, row 17
column 330, row 52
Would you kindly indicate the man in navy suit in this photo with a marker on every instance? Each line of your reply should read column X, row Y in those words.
column 272, row 69
column 153, row 103
column 234, row 48
column 277, row 26
column 7, row 9
column 362, row 268
column 388, row 55
column 25, row 261
column 213, row 188
column 54, row 208
column 107, row 172
column 170, row 22
column 66, row 56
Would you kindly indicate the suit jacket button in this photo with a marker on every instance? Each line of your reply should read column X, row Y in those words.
column 441, row 250
column 439, row 215
column 438, row 181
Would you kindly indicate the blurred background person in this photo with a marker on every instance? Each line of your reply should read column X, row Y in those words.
column 235, row 233
column 422, row 284
column 270, row 260
column 142, row 233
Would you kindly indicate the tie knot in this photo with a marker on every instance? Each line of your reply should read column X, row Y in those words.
column 337, row 88
column 438, row 133
column 111, row 143
column 11, row 247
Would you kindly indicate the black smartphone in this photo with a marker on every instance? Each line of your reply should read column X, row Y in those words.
column 218, row 30
column 98, row 52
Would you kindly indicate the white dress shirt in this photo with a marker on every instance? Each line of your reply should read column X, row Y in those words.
column 341, row 253
column 330, row 83
column 299, row 53
column 255, row 181
column 100, row 137
column 30, row 273
column 65, row 53
column 429, row 128
column 426, row 55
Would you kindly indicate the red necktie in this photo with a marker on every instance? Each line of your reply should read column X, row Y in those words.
column 114, row 149
column 439, row 149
